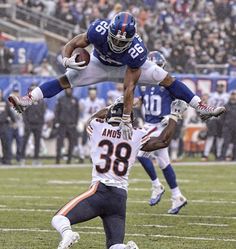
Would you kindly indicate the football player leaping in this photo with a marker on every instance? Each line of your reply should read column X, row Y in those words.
column 118, row 55
column 112, row 158
column 156, row 102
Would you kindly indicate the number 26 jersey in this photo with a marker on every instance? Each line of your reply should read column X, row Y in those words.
column 134, row 56
column 111, row 155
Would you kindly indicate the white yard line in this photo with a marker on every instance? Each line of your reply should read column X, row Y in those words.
column 129, row 213
column 127, row 234
column 153, row 225
column 209, row 224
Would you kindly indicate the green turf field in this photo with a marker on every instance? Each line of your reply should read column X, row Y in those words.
column 30, row 196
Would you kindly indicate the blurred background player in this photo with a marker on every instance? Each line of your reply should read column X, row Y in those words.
column 116, row 93
column 34, row 120
column 66, row 120
column 228, row 133
column 16, row 132
column 6, row 117
column 215, row 125
column 88, row 106
column 156, row 101
column 112, row 158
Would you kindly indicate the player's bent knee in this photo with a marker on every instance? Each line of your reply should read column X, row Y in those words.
column 64, row 82
column 163, row 162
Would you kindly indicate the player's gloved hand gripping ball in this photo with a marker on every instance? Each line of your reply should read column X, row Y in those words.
column 79, row 59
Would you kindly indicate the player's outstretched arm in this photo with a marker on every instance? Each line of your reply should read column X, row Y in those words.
column 131, row 77
column 162, row 141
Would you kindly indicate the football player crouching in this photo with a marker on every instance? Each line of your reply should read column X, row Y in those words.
column 112, row 157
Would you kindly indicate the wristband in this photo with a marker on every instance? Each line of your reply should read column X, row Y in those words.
column 126, row 118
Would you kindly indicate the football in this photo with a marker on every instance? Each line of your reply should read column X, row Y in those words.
column 83, row 55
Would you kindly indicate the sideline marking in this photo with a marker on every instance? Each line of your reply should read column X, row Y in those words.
column 209, row 224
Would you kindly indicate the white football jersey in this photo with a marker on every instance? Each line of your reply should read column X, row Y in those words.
column 89, row 107
column 216, row 99
column 112, row 156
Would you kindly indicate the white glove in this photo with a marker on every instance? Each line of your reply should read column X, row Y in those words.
column 126, row 129
column 71, row 63
column 178, row 107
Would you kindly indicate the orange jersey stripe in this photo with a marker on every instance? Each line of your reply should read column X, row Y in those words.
column 125, row 23
column 66, row 209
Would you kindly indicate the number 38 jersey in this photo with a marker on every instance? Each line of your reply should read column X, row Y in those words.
column 134, row 56
column 112, row 156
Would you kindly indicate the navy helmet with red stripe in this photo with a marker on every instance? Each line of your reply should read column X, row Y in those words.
column 157, row 58
column 121, row 32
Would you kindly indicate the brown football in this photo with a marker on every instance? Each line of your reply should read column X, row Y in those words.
column 83, row 55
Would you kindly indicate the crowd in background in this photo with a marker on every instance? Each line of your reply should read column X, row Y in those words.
column 188, row 33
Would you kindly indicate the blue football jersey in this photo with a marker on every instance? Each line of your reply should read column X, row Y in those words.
column 134, row 56
column 156, row 102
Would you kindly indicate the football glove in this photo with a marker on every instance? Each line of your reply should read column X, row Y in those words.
column 126, row 127
column 71, row 63
column 178, row 107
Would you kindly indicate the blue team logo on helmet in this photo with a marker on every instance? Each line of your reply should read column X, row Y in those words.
column 157, row 58
column 121, row 32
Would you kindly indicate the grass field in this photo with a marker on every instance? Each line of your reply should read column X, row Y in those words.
column 30, row 196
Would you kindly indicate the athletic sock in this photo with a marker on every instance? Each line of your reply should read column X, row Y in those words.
column 175, row 192
column 170, row 176
column 156, row 182
column 179, row 90
column 149, row 167
column 61, row 224
column 208, row 145
column 48, row 90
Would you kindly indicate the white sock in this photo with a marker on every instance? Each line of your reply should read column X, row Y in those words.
column 175, row 192
column 61, row 224
column 208, row 145
column 156, row 182
column 118, row 246
column 194, row 101
column 36, row 94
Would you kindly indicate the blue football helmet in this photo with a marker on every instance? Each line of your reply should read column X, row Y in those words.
column 121, row 32
column 157, row 58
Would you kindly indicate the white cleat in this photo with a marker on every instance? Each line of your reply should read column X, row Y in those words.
column 131, row 245
column 69, row 240
column 157, row 192
column 207, row 111
column 20, row 103
column 177, row 203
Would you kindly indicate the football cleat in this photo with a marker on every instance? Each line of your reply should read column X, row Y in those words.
column 69, row 240
column 177, row 203
column 20, row 103
column 207, row 111
column 131, row 245
column 157, row 192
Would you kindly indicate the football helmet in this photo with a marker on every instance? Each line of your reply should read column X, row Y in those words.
column 115, row 112
column 121, row 32
column 157, row 58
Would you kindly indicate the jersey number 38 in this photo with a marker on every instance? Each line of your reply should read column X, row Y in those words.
column 120, row 158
